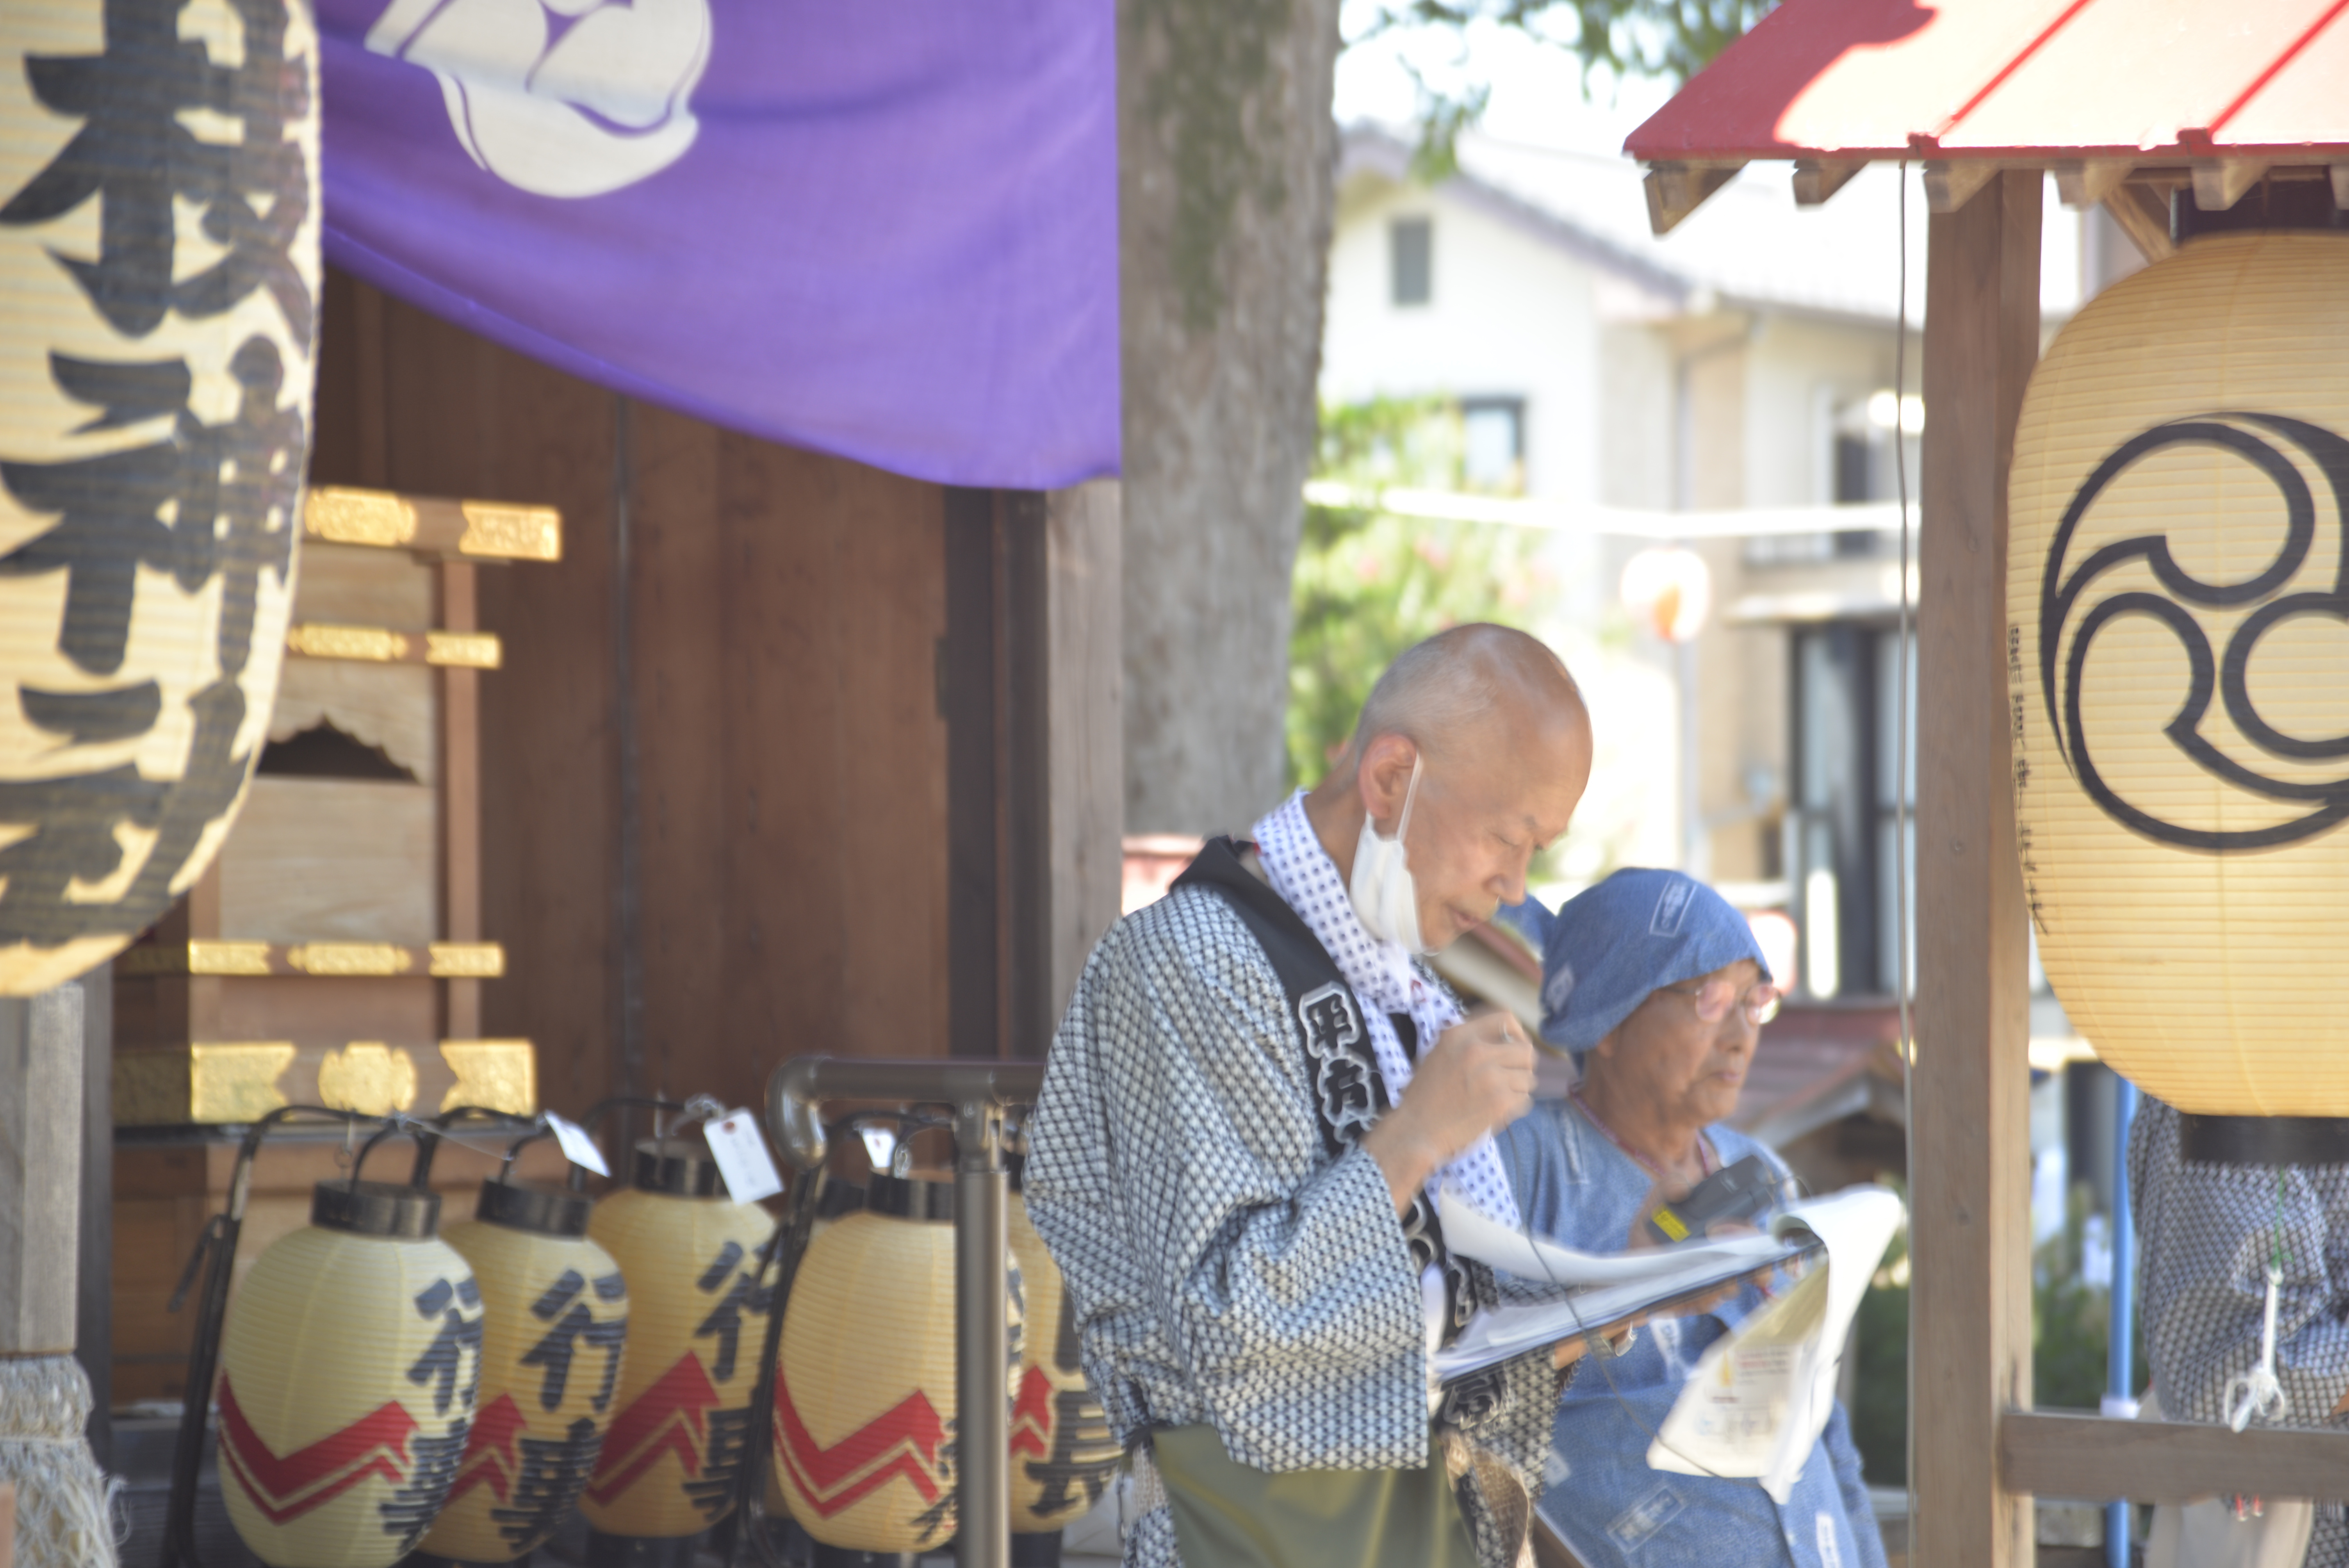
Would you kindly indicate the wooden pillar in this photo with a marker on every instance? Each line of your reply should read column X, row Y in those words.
column 1029, row 679
column 461, row 799
column 1086, row 703
column 1969, row 1140
column 40, row 1170
column 94, row 1272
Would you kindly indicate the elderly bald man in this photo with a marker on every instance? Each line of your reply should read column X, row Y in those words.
column 1253, row 1096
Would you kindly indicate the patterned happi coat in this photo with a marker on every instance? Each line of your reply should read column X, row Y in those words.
column 1230, row 1260
column 2205, row 1235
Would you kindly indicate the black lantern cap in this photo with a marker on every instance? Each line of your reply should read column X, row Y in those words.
column 2263, row 1140
column 680, row 1167
column 911, row 1198
column 390, row 1209
column 547, row 1211
column 839, row 1197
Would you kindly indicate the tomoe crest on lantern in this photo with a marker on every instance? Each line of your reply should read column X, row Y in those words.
column 2079, row 599
column 159, row 260
column 2179, row 667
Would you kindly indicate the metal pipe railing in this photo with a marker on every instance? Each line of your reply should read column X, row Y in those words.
column 978, row 1091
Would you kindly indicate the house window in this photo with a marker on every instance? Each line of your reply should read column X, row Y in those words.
column 1843, row 840
column 1493, row 444
column 1412, row 249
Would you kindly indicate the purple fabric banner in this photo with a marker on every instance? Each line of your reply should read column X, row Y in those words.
column 880, row 231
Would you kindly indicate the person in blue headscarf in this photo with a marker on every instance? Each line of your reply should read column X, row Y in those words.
column 1656, row 985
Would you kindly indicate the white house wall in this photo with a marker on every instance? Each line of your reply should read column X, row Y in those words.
column 1797, row 369
column 1509, row 315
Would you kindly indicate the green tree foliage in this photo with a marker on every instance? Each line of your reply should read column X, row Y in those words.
column 1368, row 585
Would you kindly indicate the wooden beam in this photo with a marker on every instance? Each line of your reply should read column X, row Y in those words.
column 2143, row 214
column 1950, row 184
column 1676, row 189
column 1086, row 677
column 2085, row 181
column 1817, row 178
column 2056, row 1453
column 1970, row 1152
column 2219, row 183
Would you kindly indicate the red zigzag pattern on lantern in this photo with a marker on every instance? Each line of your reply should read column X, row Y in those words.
column 667, row 1417
column 905, row 1438
column 1032, row 1415
column 493, row 1434
column 283, row 1488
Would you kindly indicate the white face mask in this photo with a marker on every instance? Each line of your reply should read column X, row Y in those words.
column 1384, row 897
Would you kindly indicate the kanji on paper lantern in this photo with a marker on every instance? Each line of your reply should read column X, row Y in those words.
column 2177, row 648
column 554, row 1332
column 158, row 288
column 674, row 1452
column 1063, row 1454
column 348, row 1371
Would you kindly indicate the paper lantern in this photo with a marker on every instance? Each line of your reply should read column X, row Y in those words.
column 158, row 286
column 554, row 1326
column 348, row 1367
column 697, row 1317
column 864, row 1388
column 2179, row 650
column 1063, row 1454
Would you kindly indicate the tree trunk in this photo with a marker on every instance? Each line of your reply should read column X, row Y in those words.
column 1227, row 155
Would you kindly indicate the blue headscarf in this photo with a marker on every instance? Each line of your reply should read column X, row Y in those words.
column 1607, row 947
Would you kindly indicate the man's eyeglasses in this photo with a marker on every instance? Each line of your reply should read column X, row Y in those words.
column 1713, row 998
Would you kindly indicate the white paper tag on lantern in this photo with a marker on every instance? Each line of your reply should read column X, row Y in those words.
column 741, row 1150
column 577, row 1147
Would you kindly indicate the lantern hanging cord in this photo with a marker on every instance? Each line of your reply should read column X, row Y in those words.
column 1903, row 916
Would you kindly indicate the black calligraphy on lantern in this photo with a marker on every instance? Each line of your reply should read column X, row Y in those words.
column 573, row 1327
column 728, row 1448
column 169, row 127
column 546, row 1482
column 457, row 1332
column 412, row 1506
column 136, row 153
column 210, row 501
column 725, row 1320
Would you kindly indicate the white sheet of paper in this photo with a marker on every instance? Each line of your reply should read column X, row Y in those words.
column 1468, row 1230
column 1762, row 1393
column 741, row 1150
column 576, row 1146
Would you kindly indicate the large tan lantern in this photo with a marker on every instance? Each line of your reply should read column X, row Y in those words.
column 2178, row 651
column 159, row 287
column 348, row 1372
column 864, row 1386
column 1063, row 1454
column 555, row 1330
column 696, row 1317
